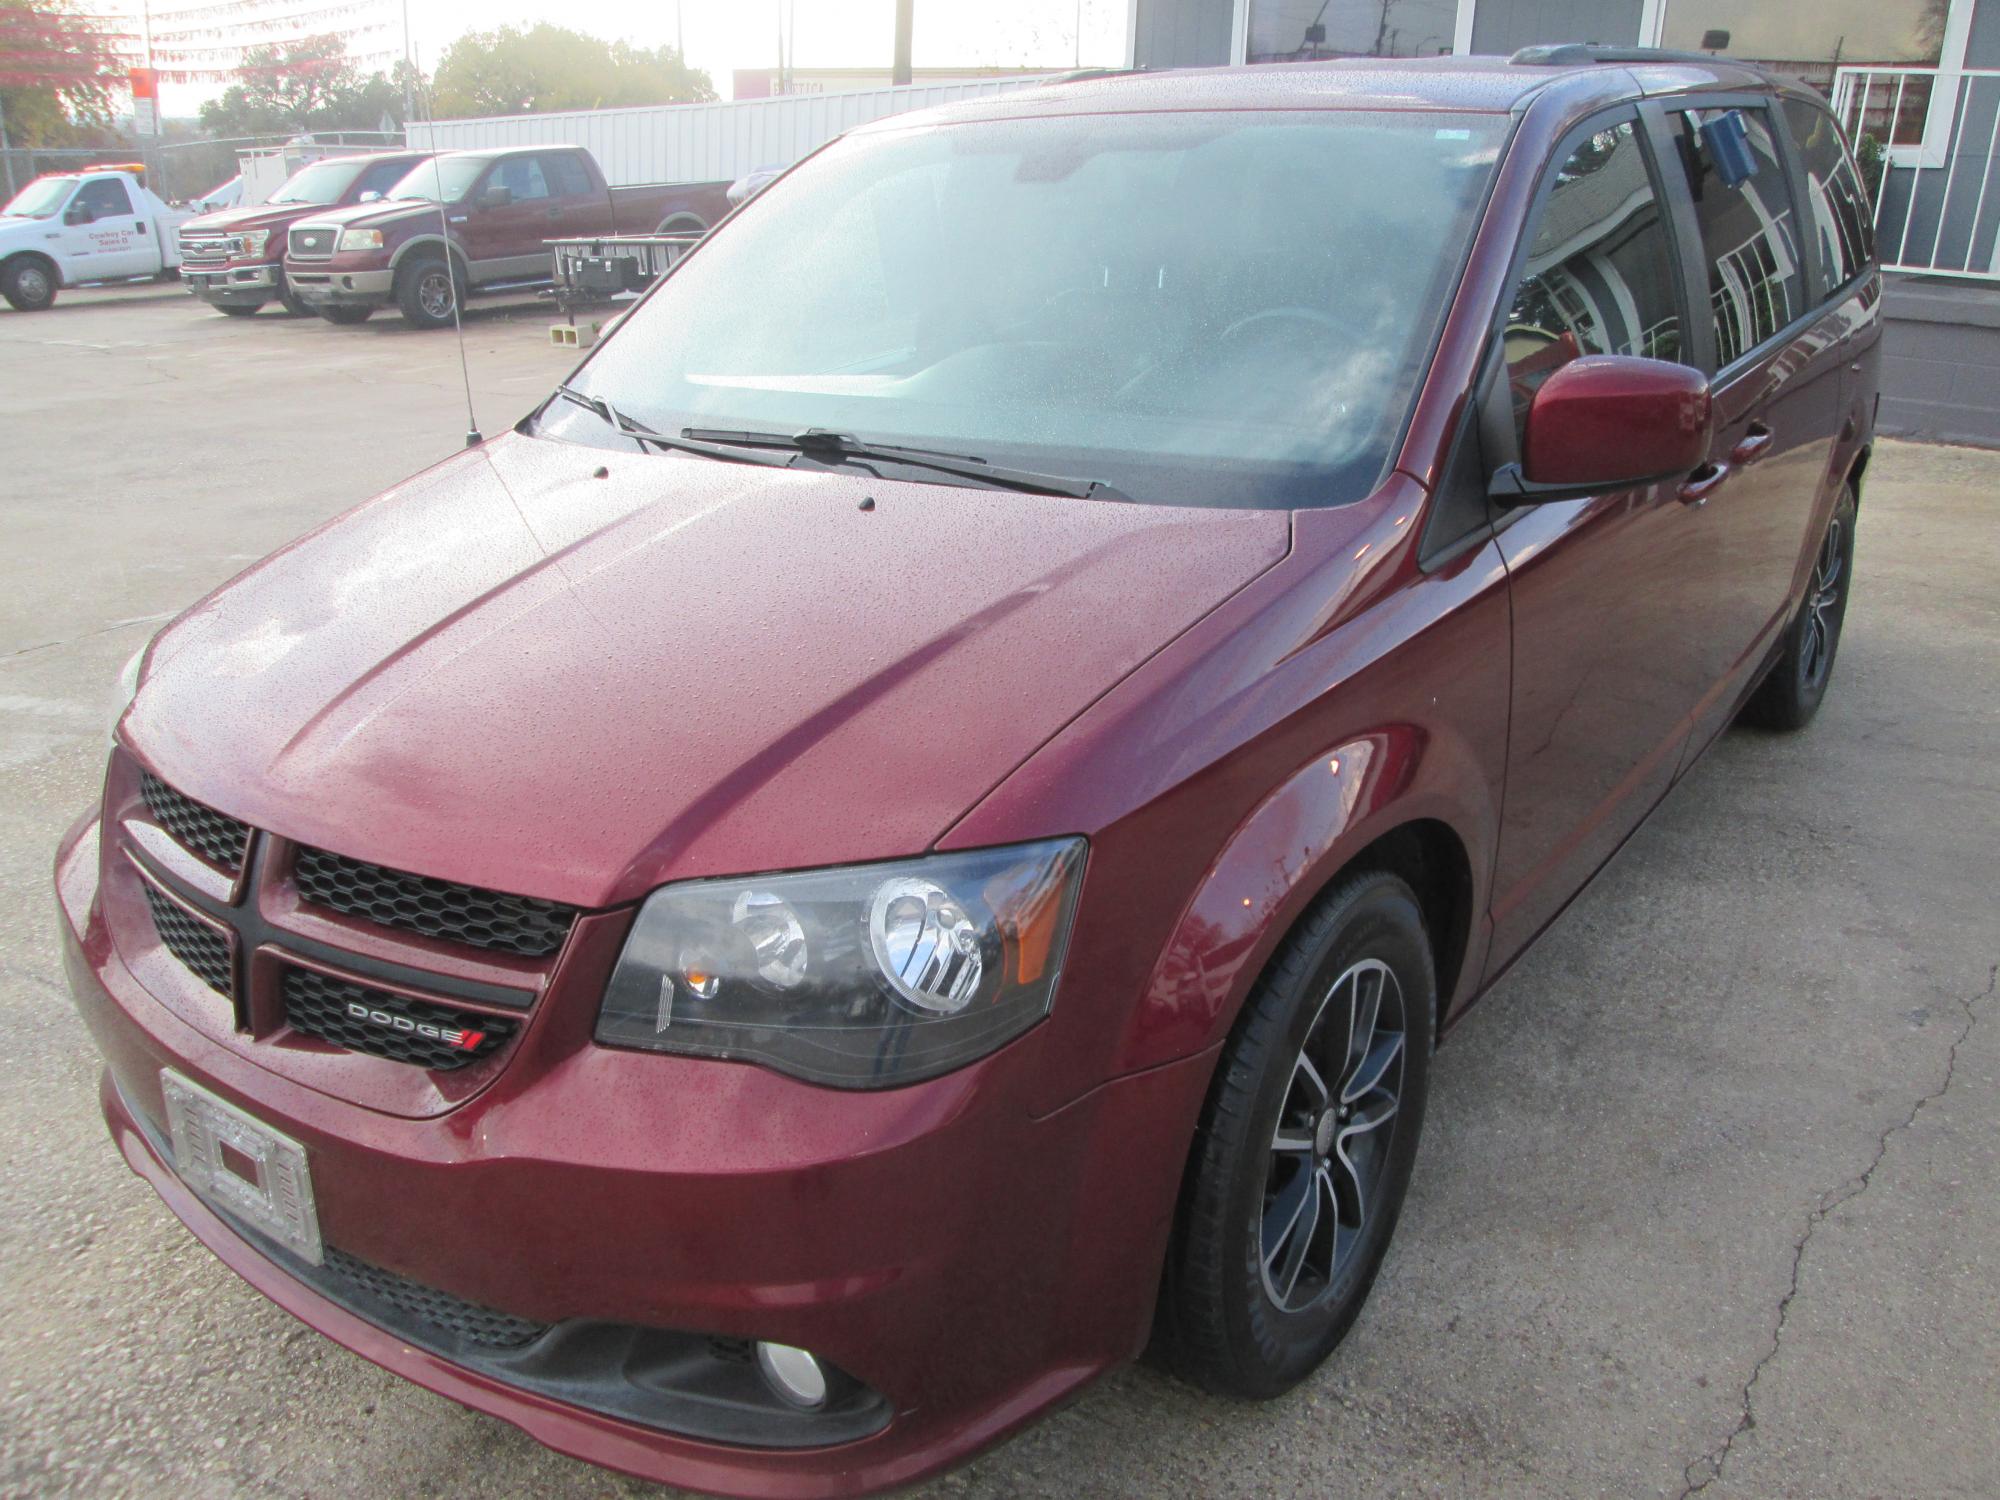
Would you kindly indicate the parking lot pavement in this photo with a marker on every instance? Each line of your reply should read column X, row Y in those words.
column 1710, row 1195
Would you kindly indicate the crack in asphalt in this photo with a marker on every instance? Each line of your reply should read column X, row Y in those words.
column 1853, row 1188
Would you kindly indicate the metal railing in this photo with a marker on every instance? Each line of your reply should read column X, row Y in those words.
column 1928, row 140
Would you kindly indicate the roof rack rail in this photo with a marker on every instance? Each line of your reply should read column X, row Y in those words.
column 1573, row 54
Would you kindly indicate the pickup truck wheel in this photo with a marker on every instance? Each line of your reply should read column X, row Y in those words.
column 290, row 299
column 238, row 310
column 426, row 290
column 1796, row 684
column 346, row 315
column 1305, row 1145
column 28, row 283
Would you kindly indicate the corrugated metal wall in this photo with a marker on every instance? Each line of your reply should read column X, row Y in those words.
column 701, row 142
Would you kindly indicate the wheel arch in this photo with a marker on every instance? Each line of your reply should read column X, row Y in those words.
column 53, row 266
column 1390, row 801
column 412, row 248
column 683, row 221
column 1858, row 468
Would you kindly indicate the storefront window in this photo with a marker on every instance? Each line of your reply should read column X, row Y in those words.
column 1811, row 41
column 1303, row 30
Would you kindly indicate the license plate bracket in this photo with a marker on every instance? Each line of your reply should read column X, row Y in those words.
column 237, row 1163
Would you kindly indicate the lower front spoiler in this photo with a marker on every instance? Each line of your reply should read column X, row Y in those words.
column 900, row 1454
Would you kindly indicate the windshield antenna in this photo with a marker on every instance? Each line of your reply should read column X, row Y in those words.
column 472, row 438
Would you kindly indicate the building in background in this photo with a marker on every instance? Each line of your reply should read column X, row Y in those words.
column 766, row 83
column 1916, row 82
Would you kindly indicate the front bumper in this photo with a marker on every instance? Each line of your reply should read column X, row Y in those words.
column 321, row 287
column 969, row 1262
column 232, row 286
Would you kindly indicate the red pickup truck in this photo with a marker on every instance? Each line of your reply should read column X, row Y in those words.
column 234, row 259
column 473, row 222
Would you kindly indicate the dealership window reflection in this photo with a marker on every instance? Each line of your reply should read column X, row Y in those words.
column 1303, row 30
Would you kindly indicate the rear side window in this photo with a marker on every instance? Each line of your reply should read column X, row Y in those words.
column 1748, row 234
column 105, row 197
column 1837, row 220
column 567, row 178
column 1600, row 275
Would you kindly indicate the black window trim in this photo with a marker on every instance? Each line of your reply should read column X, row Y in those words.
column 1496, row 441
column 1815, row 303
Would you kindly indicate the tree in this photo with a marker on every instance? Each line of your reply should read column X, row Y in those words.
column 509, row 71
column 305, row 85
column 58, row 72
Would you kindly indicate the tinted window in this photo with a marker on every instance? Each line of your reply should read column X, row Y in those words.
column 1228, row 308
column 382, row 176
column 566, row 175
column 1749, row 240
column 521, row 176
column 1599, row 277
column 1836, row 210
column 106, row 197
column 323, row 182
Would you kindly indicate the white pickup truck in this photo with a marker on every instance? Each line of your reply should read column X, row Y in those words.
column 96, row 225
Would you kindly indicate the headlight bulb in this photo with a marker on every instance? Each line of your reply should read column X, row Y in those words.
column 776, row 936
column 926, row 944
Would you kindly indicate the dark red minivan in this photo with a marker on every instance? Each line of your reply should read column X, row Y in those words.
column 914, row 828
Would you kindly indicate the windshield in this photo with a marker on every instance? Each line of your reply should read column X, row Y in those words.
column 1197, row 309
column 456, row 173
column 323, row 182
column 41, row 199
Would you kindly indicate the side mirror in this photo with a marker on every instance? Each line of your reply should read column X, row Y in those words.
column 1609, row 422
column 79, row 213
column 496, row 196
column 370, row 196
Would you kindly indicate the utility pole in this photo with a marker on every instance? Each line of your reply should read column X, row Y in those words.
column 905, row 15
column 409, row 104
column 6, row 154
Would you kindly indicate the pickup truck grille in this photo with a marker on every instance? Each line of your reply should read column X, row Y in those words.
column 312, row 242
column 202, row 252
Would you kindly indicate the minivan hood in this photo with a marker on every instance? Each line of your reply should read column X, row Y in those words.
column 512, row 673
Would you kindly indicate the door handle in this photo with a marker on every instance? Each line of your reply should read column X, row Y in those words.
column 1756, row 443
column 1702, row 483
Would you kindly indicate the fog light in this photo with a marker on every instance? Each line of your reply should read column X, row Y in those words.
column 794, row 1374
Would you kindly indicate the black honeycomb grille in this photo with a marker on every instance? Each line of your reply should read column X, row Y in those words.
column 194, row 943
column 363, row 1019
column 217, row 838
column 432, row 908
column 439, row 1310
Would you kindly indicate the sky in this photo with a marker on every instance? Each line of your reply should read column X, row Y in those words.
column 723, row 35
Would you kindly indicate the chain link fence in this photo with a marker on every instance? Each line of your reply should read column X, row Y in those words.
column 179, row 171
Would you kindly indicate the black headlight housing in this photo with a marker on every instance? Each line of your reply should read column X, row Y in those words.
column 864, row 976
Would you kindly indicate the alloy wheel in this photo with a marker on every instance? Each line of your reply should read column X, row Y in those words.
column 434, row 293
column 1332, row 1140
column 1823, row 608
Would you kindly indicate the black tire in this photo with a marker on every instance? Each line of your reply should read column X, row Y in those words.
column 1232, row 1321
column 239, row 310
column 425, row 290
column 1796, row 684
column 289, row 300
column 28, row 283
column 346, row 315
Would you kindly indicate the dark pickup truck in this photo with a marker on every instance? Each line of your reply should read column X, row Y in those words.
column 492, row 213
column 234, row 259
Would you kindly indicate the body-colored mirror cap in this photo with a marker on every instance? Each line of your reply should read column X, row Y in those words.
column 1616, row 419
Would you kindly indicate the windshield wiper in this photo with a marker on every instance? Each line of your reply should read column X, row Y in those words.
column 841, row 447
column 646, row 437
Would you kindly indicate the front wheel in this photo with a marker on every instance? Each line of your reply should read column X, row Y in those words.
column 427, row 290
column 1796, row 685
column 28, row 284
column 289, row 300
column 239, row 309
column 346, row 316
column 1305, row 1146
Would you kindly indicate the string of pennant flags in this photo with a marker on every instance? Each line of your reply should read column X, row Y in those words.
column 204, row 43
